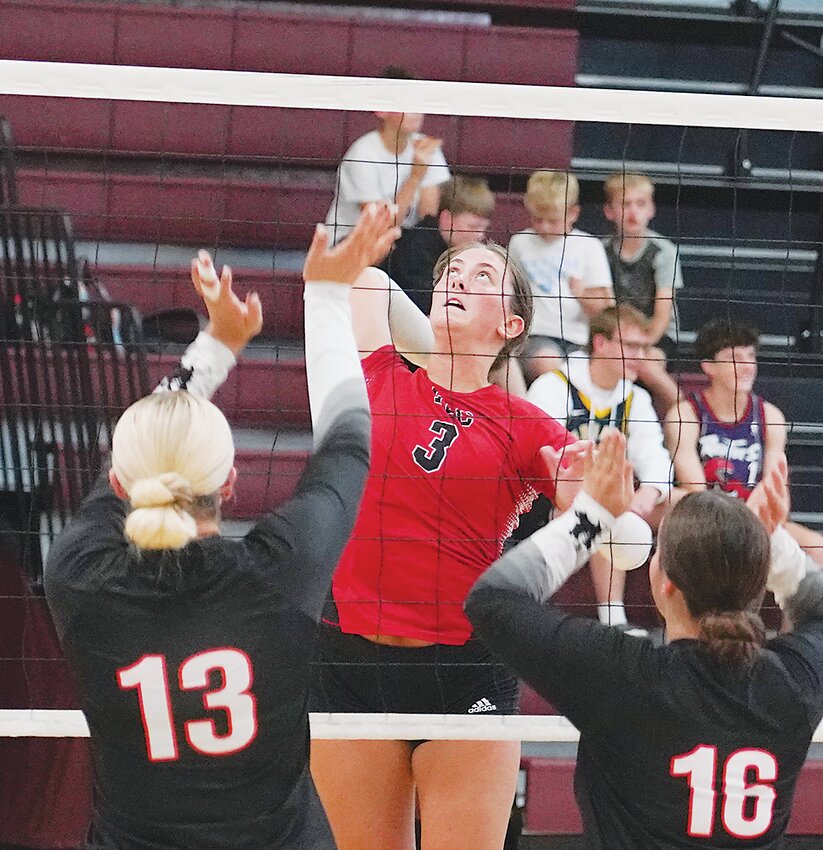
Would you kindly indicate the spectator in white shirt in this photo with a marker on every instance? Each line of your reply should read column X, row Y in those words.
column 568, row 270
column 598, row 392
column 396, row 163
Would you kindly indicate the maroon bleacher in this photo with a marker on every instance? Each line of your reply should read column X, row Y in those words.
column 297, row 137
column 200, row 211
column 157, row 288
column 266, row 393
column 245, row 39
column 545, row 5
column 257, row 41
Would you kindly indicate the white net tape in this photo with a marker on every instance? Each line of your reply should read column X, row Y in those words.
column 365, row 94
column 43, row 723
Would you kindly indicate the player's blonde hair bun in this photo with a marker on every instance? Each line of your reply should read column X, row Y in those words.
column 167, row 489
column 167, row 449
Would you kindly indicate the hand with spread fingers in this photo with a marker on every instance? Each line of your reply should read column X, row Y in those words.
column 608, row 476
column 231, row 321
column 368, row 242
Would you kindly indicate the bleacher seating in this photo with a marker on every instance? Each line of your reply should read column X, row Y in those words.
column 245, row 39
column 259, row 178
column 295, row 137
column 63, row 385
column 272, row 42
column 152, row 288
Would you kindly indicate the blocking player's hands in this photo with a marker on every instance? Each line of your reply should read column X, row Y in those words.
column 367, row 243
column 608, row 476
column 424, row 149
column 565, row 468
column 231, row 321
column 769, row 501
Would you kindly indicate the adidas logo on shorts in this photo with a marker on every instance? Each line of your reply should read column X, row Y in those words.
column 482, row 705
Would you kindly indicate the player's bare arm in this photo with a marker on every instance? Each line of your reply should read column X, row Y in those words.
column 383, row 314
column 662, row 315
column 681, row 431
column 775, row 434
column 429, row 201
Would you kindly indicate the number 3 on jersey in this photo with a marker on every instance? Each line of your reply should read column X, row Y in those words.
column 149, row 676
column 430, row 458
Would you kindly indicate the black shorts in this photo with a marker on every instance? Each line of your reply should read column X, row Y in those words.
column 353, row 674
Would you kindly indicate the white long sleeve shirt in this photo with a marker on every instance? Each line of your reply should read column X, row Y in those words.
column 585, row 409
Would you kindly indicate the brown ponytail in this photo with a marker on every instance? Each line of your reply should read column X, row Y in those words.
column 717, row 553
column 733, row 636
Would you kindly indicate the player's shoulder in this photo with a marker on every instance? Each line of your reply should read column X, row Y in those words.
column 684, row 410
column 584, row 238
column 555, row 381
column 386, row 362
column 84, row 555
column 523, row 239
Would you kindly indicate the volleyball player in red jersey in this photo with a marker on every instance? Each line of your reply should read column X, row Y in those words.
column 455, row 460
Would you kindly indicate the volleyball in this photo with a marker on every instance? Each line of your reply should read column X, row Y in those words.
column 628, row 544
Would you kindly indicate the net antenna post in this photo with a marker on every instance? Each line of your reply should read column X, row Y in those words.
column 8, row 180
column 810, row 336
column 740, row 161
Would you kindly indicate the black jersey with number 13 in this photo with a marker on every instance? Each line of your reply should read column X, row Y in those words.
column 194, row 665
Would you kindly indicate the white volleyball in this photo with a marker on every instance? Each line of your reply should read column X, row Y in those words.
column 629, row 543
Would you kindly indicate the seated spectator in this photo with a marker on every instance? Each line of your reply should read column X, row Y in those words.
column 726, row 437
column 567, row 268
column 466, row 208
column 395, row 163
column 645, row 272
column 597, row 393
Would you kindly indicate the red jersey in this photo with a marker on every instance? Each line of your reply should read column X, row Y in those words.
column 450, row 475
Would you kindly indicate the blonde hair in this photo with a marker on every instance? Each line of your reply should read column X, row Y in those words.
column 556, row 189
column 619, row 183
column 168, row 451
column 463, row 194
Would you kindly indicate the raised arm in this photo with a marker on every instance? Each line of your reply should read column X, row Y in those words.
column 233, row 323
column 794, row 577
column 383, row 314
column 428, row 197
column 202, row 369
column 304, row 538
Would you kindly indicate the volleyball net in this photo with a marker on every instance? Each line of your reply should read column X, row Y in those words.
column 152, row 163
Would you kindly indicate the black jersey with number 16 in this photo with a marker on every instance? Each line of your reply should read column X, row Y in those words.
column 677, row 750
